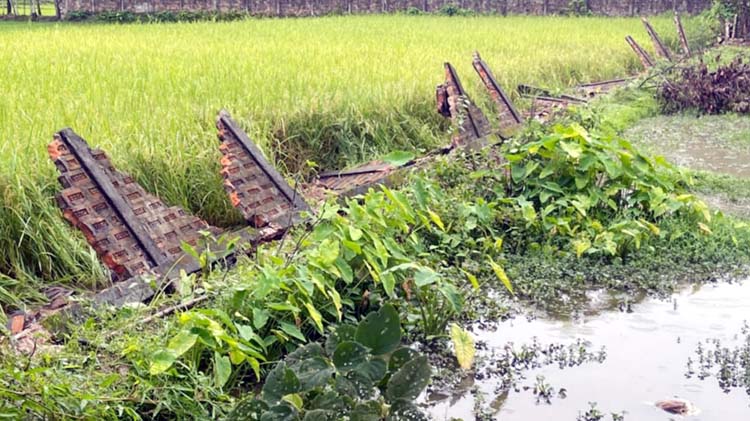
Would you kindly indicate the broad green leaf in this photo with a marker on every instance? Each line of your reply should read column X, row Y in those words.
column 161, row 361
column 249, row 409
column 255, row 365
column 329, row 400
column 409, row 381
column 581, row 245
column 182, row 343
column 366, row 411
column 355, row 233
column 406, row 410
column 236, row 357
column 328, row 252
column 436, row 220
column 425, row 277
column 400, row 357
column 472, row 280
column 353, row 246
column 295, row 400
column 292, row 331
column 380, row 331
column 374, row 369
column 463, row 344
column 573, row 149
column 336, row 300
column 348, row 355
column 346, row 271
column 310, row 350
column 398, row 158
column 453, row 296
column 703, row 227
column 260, row 317
column 527, row 210
column 281, row 412
column 245, row 331
column 312, row 372
column 343, row 333
column 281, row 381
column 315, row 316
column 500, row 273
column 389, row 284
column 222, row 369
column 319, row 415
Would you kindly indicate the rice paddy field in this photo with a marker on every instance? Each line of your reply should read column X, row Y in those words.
column 331, row 91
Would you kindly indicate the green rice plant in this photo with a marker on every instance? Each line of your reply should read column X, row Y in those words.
column 335, row 91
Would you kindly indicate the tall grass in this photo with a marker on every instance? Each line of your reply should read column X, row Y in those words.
column 331, row 90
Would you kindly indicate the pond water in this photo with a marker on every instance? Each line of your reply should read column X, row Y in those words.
column 719, row 144
column 647, row 349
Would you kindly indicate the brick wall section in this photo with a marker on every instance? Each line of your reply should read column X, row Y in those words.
column 86, row 207
column 324, row 7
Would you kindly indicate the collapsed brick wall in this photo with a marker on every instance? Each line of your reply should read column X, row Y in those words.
column 325, row 7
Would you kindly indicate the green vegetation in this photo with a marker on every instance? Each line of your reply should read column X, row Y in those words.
column 334, row 91
column 362, row 372
column 326, row 322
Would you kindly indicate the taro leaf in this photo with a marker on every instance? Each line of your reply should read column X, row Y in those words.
column 425, row 277
column 409, row 381
column 463, row 343
column 342, row 333
column 295, row 400
column 380, row 331
column 222, row 369
column 454, row 297
column 405, row 410
column 260, row 317
column 182, row 343
column 161, row 361
column 319, row 415
column 312, row 372
column 280, row 382
column 345, row 387
column 248, row 410
column 400, row 357
column 304, row 352
column 501, row 275
column 374, row 369
column 282, row 412
column 329, row 400
column 366, row 411
column 398, row 158
column 348, row 355
column 354, row 386
column 292, row 331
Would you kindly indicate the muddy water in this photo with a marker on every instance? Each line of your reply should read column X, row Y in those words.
column 647, row 353
column 719, row 144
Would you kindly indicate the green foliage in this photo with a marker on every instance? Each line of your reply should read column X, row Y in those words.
column 452, row 9
column 578, row 8
column 414, row 11
column 363, row 381
column 463, row 345
column 355, row 257
column 320, row 105
column 597, row 190
column 165, row 16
